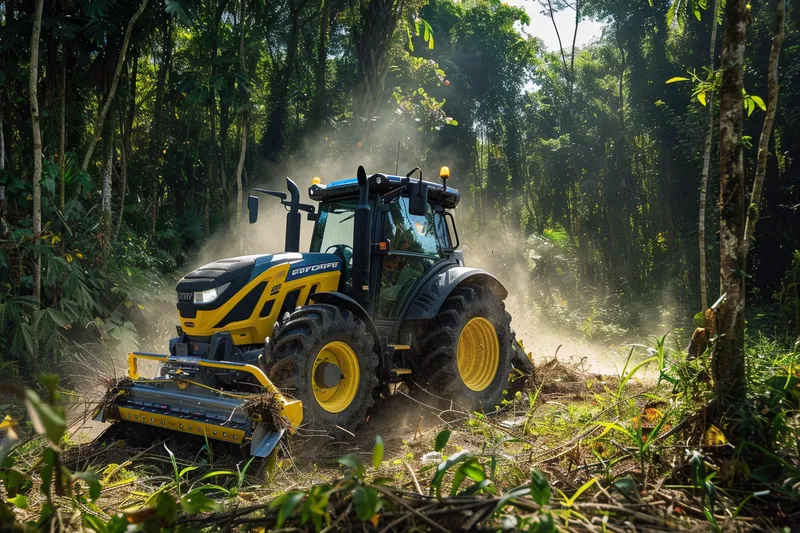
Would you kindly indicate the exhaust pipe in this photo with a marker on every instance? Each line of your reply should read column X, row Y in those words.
column 362, row 243
column 292, row 243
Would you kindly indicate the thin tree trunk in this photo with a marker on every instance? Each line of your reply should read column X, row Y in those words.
column 62, row 134
column 2, row 141
column 125, row 126
column 319, row 107
column 105, row 200
column 156, row 145
column 766, row 129
column 727, row 363
column 243, row 152
column 98, row 126
column 572, row 55
column 240, row 168
column 275, row 135
column 707, row 169
column 33, row 78
column 558, row 36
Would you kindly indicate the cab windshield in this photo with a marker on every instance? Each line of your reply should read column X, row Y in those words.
column 334, row 226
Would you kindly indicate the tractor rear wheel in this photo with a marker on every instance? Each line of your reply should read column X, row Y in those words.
column 467, row 354
column 324, row 356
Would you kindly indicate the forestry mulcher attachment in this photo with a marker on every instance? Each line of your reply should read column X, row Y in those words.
column 273, row 342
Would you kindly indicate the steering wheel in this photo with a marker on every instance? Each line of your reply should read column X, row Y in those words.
column 345, row 253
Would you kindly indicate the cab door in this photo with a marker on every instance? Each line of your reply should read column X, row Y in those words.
column 415, row 244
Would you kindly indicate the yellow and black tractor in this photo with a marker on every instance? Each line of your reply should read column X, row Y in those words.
column 273, row 342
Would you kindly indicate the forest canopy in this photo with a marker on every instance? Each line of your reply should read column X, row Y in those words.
column 581, row 165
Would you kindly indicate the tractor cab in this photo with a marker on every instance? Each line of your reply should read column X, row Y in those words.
column 407, row 238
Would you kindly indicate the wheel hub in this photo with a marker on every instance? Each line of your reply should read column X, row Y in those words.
column 335, row 376
column 327, row 375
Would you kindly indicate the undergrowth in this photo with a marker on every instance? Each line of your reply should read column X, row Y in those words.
column 573, row 452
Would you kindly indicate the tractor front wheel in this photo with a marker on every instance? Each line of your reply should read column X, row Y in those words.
column 324, row 356
column 468, row 351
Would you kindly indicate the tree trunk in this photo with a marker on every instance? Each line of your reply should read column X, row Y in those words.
column 105, row 199
column 275, row 136
column 372, row 35
column 766, row 129
column 707, row 169
column 245, row 117
column 98, row 126
column 572, row 58
column 62, row 135
column 320, row 104
column 2, row 140
column 727, row 363
column 126, row 125
column 33, row 78
column 156, row 146
column 240, row 168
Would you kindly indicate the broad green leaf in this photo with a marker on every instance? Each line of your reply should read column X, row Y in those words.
column 14, row 481
column 19, row 501
column 166, row 507
column 471, row 469
column 288, row 502
column 700, row 320
column 197, row 502
column 677, row 79
column 441, row 440
column 377, row 452
column 759, row 102
column 365, row 502
column 352, row 463
column 45, row 419
column 540, row 487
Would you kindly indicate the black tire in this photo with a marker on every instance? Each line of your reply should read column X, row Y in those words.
column 295, row 347
column 438, row 349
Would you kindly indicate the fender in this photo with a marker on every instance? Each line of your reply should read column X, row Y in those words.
column 427, row 301
column 345, row 302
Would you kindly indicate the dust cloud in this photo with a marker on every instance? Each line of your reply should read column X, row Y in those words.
column 507, row 254
column 496, row 249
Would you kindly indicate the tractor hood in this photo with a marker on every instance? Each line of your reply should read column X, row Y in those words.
column 229, row 276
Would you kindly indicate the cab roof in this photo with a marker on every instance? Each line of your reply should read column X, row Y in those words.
column 449, row 198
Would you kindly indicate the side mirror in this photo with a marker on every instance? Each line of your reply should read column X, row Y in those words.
column 418, row 199
column 252, row 208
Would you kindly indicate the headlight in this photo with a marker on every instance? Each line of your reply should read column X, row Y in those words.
column 208, row 296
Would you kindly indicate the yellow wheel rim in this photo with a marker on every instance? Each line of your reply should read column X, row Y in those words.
column 478, row 354
column 338, row 397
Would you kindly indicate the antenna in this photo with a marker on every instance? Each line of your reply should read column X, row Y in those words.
column 397, row 163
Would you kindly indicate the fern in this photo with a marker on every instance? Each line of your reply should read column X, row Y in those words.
column 192, row 230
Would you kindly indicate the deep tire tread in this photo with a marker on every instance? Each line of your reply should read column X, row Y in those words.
column 296, row 345
column 436, row 351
